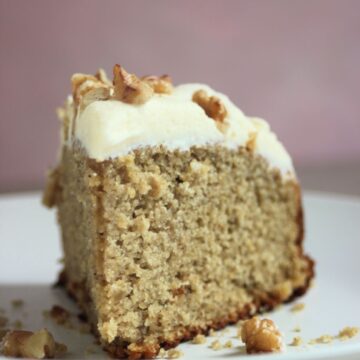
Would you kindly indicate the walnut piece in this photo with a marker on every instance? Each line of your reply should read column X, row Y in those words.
column 101, row 75
column 261, row 335
column 160, row 84
column 212, row 105
column 87, row 89
column 129, row 88
column 26, row 344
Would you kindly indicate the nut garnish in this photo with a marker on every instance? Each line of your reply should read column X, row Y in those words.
column 212, row 105
column 129, row 88
column 26, row 344
column 261, row 336
column 87, row 89
column 101, row 75
column 160, row 84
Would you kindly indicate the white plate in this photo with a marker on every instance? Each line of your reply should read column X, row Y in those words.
column 28, row 264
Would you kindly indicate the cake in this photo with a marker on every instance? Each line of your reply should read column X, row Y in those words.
column 178, row 213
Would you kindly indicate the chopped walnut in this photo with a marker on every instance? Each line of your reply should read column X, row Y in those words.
column 91, row 94
column 101, row 75
column 212, row 105
column 87, row 89
column 261, row 336
column 129, row 88
column 250, row 145
column 26, row 344
column 160, row 84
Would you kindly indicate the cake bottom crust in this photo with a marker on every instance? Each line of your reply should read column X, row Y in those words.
column 263, row 302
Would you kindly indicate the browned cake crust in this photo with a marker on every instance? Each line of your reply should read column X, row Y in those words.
column 264, row 302
column 83, row 221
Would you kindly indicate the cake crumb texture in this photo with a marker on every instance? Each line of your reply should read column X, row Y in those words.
column 185, row 241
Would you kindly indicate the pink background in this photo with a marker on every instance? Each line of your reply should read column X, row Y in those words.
column 295, row 63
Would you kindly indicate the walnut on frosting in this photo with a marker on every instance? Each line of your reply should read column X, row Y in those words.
column 160, row 84
column 87, row 88
column 261, row 335
column 101, row 75
column 129, row 88
column 212, row 105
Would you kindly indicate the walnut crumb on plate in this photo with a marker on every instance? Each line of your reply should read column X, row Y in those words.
column 28, row 344
column 261, row 336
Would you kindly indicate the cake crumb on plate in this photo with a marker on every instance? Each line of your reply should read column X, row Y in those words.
column 216, row 345
column 348, row 333
column 324, row 339
column 199, row 339
column 297, row 307
column 297, row 341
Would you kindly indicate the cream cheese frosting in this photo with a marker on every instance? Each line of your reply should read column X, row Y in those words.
column 112, row 128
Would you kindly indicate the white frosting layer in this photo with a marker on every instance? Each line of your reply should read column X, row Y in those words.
column 112, row 128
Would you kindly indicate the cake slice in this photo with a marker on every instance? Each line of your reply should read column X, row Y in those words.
column 178, row 213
